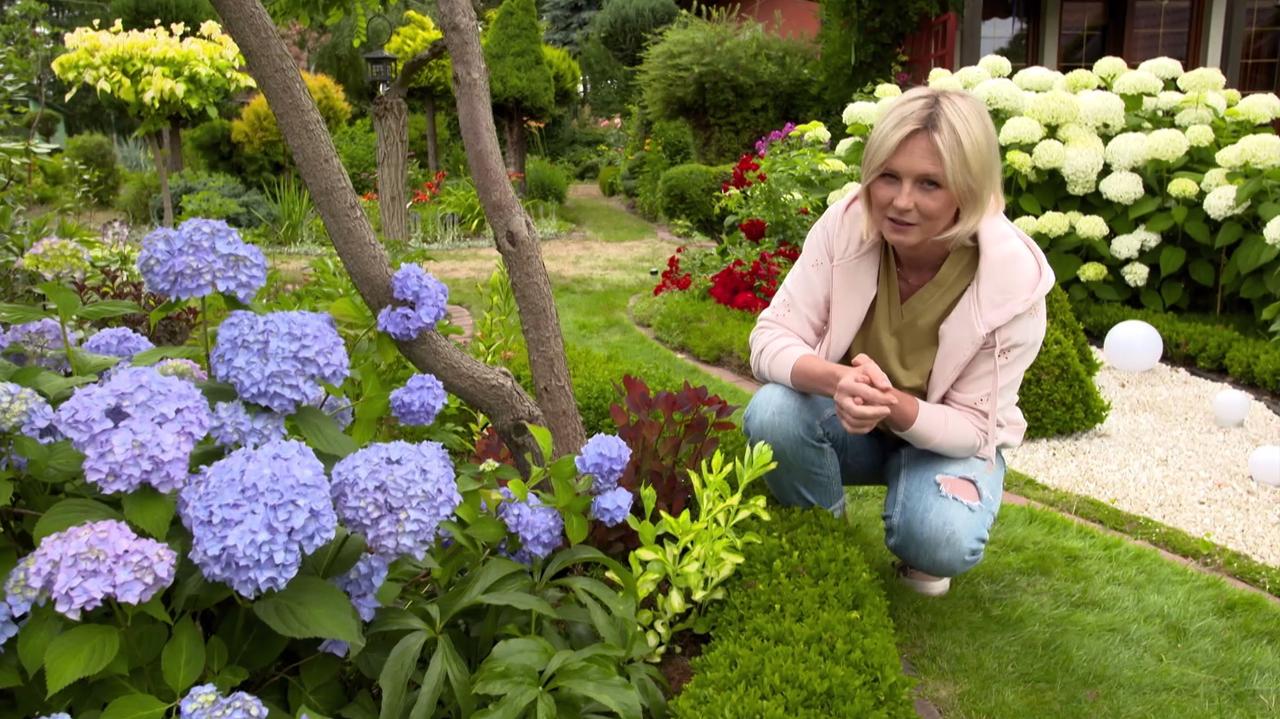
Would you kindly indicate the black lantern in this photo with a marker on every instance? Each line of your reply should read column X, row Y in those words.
column 379, row 68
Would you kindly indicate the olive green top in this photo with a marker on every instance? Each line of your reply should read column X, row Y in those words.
column 903, row 337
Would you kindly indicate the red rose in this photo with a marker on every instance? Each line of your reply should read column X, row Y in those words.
column 754, row 229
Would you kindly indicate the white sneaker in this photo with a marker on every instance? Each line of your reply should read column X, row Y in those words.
column 922, row 583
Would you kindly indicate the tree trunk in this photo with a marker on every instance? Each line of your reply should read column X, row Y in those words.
column 516, row 149
column 160, row 150
column 175, row 147
column 391, row 123
column 489, row 389
column 512, row 228
column 433, row 139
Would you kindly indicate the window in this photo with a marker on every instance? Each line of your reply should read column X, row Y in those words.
column 1136, row 30
column 1260, row 54
column 1009, row 28
column 1082, row 37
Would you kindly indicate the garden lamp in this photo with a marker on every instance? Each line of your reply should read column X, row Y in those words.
column 378, row 63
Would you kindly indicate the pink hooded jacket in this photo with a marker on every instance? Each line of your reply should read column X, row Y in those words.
column 985, row 345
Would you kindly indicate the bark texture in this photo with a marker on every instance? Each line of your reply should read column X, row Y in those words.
column 160, row 152
column 433, row 140
column 391, row 124
column 512, row 228
column 489, row 389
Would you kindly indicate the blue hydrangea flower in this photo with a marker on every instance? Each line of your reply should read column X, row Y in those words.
column 81, row 566
column 339, row 408
column 8, row 627
column 199, row 258
column 20, row 593
column 117, row 342
column 254, row 514
column 235, row 426
column 204, row 702
column 361, row 583
column 612, row 506
column 427, row 300
column 135, row 427
column 278, row 359
column 419, row 400
column 539, row 527
column 24, row 411
column 59, row 715
column 38, row 343
column 182, row 369
column 395, row 495
column 604, row 457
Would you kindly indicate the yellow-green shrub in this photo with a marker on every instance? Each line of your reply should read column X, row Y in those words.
column 256, row 131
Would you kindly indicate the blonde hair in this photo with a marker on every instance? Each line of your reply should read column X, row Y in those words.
column 961, row 128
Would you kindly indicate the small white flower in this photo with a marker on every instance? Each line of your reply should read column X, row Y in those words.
column 1182, row 188
column 1092, row 227
column 1101, row 110
column 887, row 89
column 836, row 195
column 1200, row 135
column 1001, row 95
column 1150, row 240
column 1109, row 67
column 1126, row 247
column 1021, row 130
column 1053, row 224
column 1165, row 68
column 1049, row 155
column 1036, row 78
column 1271, row 233
column 1127, row 150
column 1233, row 96
column 843, row 147
column 938, row 72
column 1137, row 82
column 996, row 65
column 1019, row 161
column 1123, row 187
column 1074, row 216
column 1135, row 274
column 819, row 134
column 1213, row 179
column 1076, row 135
column 1026, row 223
column 1168, row 100
column 1053, row 108
column 862, row 112
column 1194, row 116
column 1202, row 78
column 1221, row 203
column 970, row 76
column 946, row 82
column 1081, row 169
column 1092, row 272
column 1259, row 108
column 1078, row 80
column 1167, row 144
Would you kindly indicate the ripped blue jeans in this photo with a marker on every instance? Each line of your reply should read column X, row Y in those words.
column 926, row 526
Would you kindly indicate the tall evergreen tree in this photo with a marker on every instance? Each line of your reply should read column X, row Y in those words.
column 521, row 83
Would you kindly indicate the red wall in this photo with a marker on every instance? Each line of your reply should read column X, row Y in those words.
column 799, row 17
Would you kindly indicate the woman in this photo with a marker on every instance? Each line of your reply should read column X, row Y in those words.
column 894, row 349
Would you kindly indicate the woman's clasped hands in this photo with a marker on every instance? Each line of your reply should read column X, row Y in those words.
column 864, row 396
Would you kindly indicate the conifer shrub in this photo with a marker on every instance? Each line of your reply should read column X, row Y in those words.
column 1058, row 395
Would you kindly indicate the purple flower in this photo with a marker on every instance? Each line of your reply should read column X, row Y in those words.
column 235, row 426
column 181, row 368
column 361, row 584
column 419, row 400
column 80, row 567
column 199, row 258
column 612, row 506
column 204, row 702
column 395, row 495
column 540, row 528
column 604, row 457
column 8, row 627
column 24, row 411
column 762, row 145
column 278, row 359
column 59, row 715
column 37, row 343
column 136, row 427
column 255, row 513
column 117, row 342
column 427, row 300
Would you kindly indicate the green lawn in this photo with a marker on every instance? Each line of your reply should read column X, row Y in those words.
column 601, row 217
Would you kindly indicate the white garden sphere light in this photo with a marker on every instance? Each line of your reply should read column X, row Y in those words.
column 1264, row 464
column 1133, row 346
column 1230, row 406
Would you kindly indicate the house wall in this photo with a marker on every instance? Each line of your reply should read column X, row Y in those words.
column 799, row 17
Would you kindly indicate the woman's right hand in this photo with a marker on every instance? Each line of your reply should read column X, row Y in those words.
column 863, row 397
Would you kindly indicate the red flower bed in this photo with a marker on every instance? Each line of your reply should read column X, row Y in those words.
column 750, row 288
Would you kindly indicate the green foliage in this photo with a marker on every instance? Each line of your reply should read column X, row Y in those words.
column 565, row 75
column 689, row 192
column 256, row 133
column 414, row 36
column 609, row 180
column 625, row 27
column 196, row 192
column 142, row 14
column 357, row 147
column 731, row 82
column 521, row 81
column 609, row 84
column 44, row 122
column 804, row 632
column 209, row 147
column 545, row 180
column 94, row 157
column 567, row 21
column 695, row 323
column 1206, row 342
column 138, row 192
column 860, row 39
column 1058, row 396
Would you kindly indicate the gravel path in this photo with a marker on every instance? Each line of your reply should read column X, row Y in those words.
column 1160, row 455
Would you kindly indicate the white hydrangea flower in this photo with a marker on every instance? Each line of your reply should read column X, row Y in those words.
column 839, row 194
column 1233, row 96
column 1001, row 95
column 1080, row 135
column 1202, row 78
column 1081, row 168
column 1078, row 80
column 996, row 66
column 1092, row 272
column 1199, row 135
column 1165, row 68
column 1271, row 233
column 1150, row 240
column 1036, row 78
column 1053, row 224
column 1207, row 99
column 1194, row 116
column 819, row 134
column 938, row 72
column 862, row 112
column 1110, row 67
column 1101, row 110
column 831, row 164
column 1137, row 82
column 972, row 75
column 1074, row 216
column 1259, row 108
column 1167, row 144
column 1135, row 274
column 1021, row 130
column 1168, row 100
column 947, row 82
column 1213, row 179
column 1259, row 151
column 1053, row 108
column 887, row 89
column 1026, row 223
column 1092, row 227
column 1019, row 161
column 1122, row 187
column 1182, row 188
column 1049, row 154
column 1127, row 150
column 1221, row 203
column 1126, row 247
column 883, row 105
column 843, row 147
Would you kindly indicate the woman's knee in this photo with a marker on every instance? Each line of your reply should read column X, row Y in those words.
column 780, row 415
column 942, row 544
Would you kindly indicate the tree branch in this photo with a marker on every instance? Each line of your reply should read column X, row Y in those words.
column 414, row 65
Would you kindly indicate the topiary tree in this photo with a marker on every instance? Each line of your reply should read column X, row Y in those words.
column 161, row 74
column 521, row 82
column 256, row 133
column 1058, row 395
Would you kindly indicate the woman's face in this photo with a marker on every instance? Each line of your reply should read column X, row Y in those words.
column 910, row 201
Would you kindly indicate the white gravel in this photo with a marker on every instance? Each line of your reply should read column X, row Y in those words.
column 1160, row 455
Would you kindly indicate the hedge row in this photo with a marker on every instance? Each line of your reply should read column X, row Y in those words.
column 804, row 632
column 1199, row 343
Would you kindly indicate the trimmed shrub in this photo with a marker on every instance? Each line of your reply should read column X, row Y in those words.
column 256, row 131
column 95, row 157
column 693, row 322
column 223, row 195
column 804, row 632
column 689, row 192
column 208, row 147
column 610, row 180
column 1058, row 395
column 137, row 194
column 544, row 180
